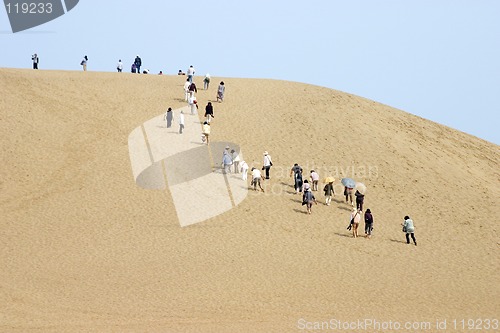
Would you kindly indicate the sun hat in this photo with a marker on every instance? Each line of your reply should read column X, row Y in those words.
column 265, row 153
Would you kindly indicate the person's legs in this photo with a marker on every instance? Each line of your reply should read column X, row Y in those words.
column 267, row 171
column 407, row 238
column 413, row 238
column 181, row 128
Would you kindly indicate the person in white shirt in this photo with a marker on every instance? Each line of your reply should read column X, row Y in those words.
column 206, row 132
column 244, row 170
column 35, row 59
column 186, row 90
column 256, row 177
column 119, row 66
column 181, row 122
column 236, row 160
column 314, row 180
column 193, row 104
column 190, row 73
column 268, row 163
column 84, row 63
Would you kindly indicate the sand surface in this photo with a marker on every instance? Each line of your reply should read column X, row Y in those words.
column 83, row 248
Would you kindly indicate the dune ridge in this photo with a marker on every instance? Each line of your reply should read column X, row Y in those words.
column 84, row 249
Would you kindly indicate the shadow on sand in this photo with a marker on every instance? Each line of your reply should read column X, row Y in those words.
column 300, row 211
column 397, row 241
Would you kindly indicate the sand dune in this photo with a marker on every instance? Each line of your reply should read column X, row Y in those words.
column 83, row 248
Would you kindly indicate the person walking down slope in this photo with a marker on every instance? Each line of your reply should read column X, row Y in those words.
column 168, row 117
column 181, row 122
column 138, row 64
column 329, row 192
column 35, row 59
column 209, row 112
column 221, row 91
column 409, row 229
column 84, row 63
column 368, row 223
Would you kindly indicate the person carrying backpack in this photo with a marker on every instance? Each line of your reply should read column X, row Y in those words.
column 308, row 199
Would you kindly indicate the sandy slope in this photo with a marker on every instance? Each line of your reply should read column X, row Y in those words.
column 83, row 249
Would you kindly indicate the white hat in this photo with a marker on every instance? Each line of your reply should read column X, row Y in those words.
column 265, row 153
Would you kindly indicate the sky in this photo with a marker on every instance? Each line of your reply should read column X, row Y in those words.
column 438, row 59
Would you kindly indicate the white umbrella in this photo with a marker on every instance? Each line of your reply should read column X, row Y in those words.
column 361, row 188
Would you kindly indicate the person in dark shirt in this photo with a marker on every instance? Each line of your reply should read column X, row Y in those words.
column 360, row 198
column 368, row 223
column 296, row 171
column 138, row 64
column 209, row 112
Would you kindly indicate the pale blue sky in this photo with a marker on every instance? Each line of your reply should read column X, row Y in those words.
column 439, row 59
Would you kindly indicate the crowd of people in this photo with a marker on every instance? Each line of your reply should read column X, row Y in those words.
column 232, row 162
column 307, row 185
